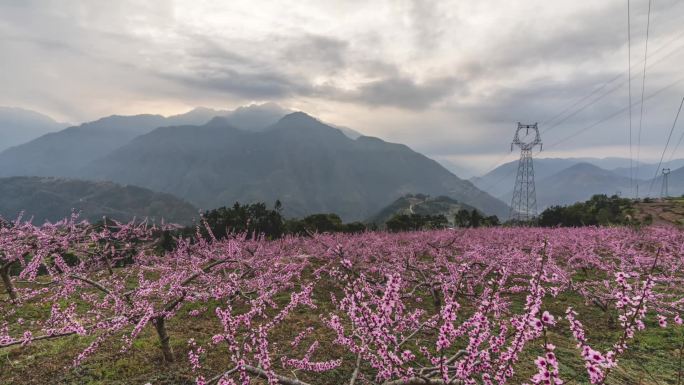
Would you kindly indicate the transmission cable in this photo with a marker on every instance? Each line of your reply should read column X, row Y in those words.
column 666, row 144
column 643, row 88
column 675, row 148
column 597, row 99
column 629, row 80
column 595, row 91
column 608, row 82
column 614, row 114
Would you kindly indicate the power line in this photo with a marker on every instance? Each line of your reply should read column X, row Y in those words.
column 524, row 200
column 493, row 166
column 664, row 193
column 602, row 120
column 608, row 82
column 653, row 63
column 604, row 85
column 500, row 179
column 666, row 144
column 597, row 90
column 643, row 88
column 629, row 80
column 549, row 128
column 580, row 100
column 674, row 149
column 631, row 105
column 617, row 87
column 614, row 114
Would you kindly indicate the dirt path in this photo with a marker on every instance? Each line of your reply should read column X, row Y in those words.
column 663, row 211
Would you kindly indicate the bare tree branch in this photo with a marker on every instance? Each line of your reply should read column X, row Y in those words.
column 44, row 337
column 90, row 282
column 355, row 374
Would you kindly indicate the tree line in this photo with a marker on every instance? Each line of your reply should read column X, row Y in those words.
column 600, row 210
column 257, row 219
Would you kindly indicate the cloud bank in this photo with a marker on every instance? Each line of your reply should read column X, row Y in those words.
column 448, row 78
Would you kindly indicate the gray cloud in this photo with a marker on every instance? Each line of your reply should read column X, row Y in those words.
column 324, row 53
column 257, row 85
column 401, row 92
column 428, row 19
column 448, row 78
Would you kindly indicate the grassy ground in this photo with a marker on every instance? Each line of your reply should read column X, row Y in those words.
column 654, row 358
column 669, row 211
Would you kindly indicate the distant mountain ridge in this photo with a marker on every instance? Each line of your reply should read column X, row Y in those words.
column 500, row 181
column 559, row 181
column 216, row 157
column 18, row 125
column 269, row 167
column 45, row 198
column 648, row 170
column 308, row 165
column 65, row 152
column 654, row 186
column 578, row 183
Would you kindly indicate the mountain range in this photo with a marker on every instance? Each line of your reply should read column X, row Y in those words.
column 250, row 154
column 65, row 152
column 569, row 180
column 264, row 152
column 308, row 165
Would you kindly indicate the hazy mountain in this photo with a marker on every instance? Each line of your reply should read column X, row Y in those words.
column 565, row 181
column 420, row 204
column 65, row 152
column 609, row 163
column 255, row 117
column 310, row 166
column 675, row 184
column 349, row 132
column 53, row 199
column 456, row 169
column 198, row 115
column 499, row 182
column 648, row 170
column 260, row 117
column 576, row 183
column 18, row 126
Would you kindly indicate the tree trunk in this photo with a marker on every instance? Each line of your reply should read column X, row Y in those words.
column 4, row 273
column 159, row 324
column 436, row 299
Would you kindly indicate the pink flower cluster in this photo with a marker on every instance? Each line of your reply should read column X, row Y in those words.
column 441, row 307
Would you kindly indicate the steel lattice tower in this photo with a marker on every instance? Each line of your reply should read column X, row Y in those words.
column 664, row 193
column 524, row 202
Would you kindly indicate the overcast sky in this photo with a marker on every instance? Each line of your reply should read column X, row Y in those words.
column 448, row 78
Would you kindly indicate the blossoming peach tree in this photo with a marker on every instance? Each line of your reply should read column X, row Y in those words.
column 434, row 307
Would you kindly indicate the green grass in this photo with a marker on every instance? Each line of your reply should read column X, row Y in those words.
column 653, row 358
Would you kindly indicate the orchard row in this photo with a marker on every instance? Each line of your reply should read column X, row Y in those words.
column 433, row 307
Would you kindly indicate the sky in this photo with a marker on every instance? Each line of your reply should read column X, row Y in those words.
column 450, row 79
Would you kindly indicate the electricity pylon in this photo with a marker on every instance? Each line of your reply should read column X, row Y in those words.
column 664, row 193
column 524, row 202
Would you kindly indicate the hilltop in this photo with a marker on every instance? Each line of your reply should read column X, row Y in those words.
column 420, row 204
